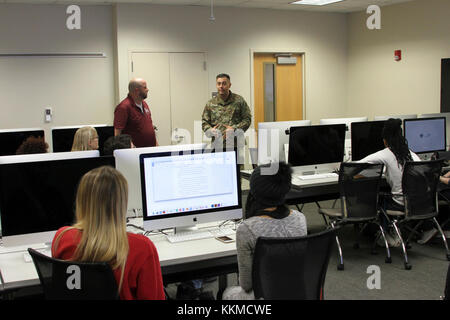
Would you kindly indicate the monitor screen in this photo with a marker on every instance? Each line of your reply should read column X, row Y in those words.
column 316, row 144
column 425, row 135
column 10, row 140
column 38, row 197
column 180, row 190
column 366, row 138
column 62, row 138
column 447, row 121
column 272, row 137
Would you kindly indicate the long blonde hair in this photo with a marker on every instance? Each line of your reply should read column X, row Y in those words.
column 83, row 137
column 101, row 207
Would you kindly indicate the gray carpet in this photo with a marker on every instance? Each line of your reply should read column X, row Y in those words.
column 425, row 281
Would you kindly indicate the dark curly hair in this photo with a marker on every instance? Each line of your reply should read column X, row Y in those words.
column 396, row 142
column 33, row 145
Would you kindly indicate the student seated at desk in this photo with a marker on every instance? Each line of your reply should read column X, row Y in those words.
column 393, row 157
column 33, row 145
column 99, row 235
column 266, row 216
column 86, row 138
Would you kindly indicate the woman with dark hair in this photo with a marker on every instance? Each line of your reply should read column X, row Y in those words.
column 393, row 157
column 266, row 216
column 33, row 145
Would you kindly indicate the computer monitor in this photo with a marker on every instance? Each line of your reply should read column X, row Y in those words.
column 49, row 156
column 366, row 138
column 317, row 148
column 37, row 198
column 62, row 137
column 272, row 138
column 425, row 135
column 11, row 139
column 184, row 189
column 127, row 162
column 447, row 122
column 401, row 117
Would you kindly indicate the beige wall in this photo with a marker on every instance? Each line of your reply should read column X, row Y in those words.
column 378, row 85
column 229, row 40
column 79, row 90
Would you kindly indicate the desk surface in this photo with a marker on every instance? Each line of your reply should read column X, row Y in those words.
column 174, row 257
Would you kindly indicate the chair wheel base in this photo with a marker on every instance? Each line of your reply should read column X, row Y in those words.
column 408, row 266
column 340, row 266
column 388, row 260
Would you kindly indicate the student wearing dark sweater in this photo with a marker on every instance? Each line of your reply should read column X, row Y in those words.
column 266, row 216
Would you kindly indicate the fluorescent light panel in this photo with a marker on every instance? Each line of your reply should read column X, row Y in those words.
column 315, row 2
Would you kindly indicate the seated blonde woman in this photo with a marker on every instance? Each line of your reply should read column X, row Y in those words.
column 86, row 138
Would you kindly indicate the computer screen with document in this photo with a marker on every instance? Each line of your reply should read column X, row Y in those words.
column 187, row 188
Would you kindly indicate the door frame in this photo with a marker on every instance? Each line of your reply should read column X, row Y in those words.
column 252, row 75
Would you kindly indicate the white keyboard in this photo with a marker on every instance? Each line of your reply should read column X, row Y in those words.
column 199, row 234
column 27, row 256
column 319, row 176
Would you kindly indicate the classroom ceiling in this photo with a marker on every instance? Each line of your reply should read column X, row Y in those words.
column 344, row 7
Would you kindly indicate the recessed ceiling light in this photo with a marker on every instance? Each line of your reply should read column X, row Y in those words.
column 315, row 2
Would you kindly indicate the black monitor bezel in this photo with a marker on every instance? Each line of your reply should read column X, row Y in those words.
column 341, row 126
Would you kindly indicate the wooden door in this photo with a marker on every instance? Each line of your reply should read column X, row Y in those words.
column 288, row 88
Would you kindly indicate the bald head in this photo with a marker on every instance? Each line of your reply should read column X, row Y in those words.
column 135, row 83
column 137, row 88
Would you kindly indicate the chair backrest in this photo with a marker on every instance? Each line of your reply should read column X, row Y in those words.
column 447, row 285
column 359, row 184
column 70, row 280
column 419, row 185
column 291, row 268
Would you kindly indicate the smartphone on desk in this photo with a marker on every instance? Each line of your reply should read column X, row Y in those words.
column 225, row 239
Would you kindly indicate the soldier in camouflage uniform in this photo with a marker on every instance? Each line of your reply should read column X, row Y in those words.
column 226, row 117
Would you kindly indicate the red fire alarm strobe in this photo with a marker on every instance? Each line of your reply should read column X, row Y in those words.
column 398, row 55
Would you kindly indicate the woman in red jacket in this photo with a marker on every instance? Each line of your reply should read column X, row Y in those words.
column 99, row 235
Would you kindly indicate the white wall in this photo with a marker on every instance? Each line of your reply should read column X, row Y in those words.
column 229, row 40
column 378, row 85
column 79, row 90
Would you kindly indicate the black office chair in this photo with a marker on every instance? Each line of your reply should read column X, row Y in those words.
column 359, row 185
column 447, row 286
column 444, row 190
column 291, row 268
column 419, row 184
column 70, row 280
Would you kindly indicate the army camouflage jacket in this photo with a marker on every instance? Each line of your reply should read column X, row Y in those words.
column 233, row 112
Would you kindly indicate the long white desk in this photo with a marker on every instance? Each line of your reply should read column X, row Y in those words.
column 179, row 261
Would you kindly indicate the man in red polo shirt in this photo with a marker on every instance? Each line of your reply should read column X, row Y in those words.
column 132, row 116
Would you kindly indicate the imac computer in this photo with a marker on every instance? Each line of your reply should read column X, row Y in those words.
column 11, row 139
column 316, row 149
column 273, row 137
column 62, row 137
column 447, row 122
column 37, row 198
column 127, row 162
column 425, row 135
column 180, row 190
column 366, row 138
